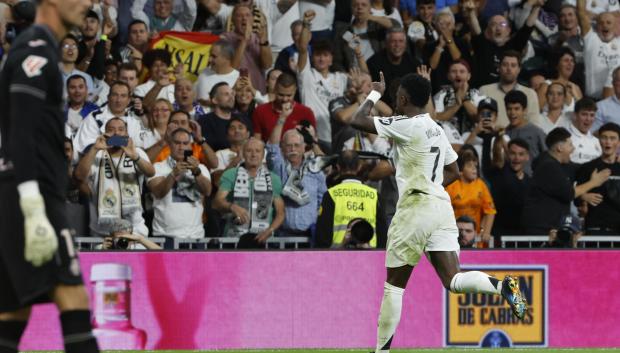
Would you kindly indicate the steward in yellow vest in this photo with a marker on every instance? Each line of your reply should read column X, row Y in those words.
column 344, row 202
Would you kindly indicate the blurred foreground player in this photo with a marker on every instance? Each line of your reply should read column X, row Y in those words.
column 424, row 220
column 38, row 262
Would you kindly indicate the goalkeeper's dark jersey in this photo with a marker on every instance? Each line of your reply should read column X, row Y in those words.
column 31, row 119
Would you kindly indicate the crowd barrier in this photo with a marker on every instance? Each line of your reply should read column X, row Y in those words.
column 91, row 243
column 536, row 241
column 513, row 241
column 330, row 299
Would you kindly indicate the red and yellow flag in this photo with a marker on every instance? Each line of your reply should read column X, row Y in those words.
column 190, row 48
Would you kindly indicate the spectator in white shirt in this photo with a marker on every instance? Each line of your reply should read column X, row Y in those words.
column 94, row 124
column 318, row 86
column 608, row 109
column 114, row 174
column 211, row 16
column 554, row 113
column 179, row 187
column 601, row 49
column 166, row 15
column 219, row 69
column 587, row 146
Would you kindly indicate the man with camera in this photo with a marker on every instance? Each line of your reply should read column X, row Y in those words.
column 565, row 235
column 303, row 187
column 94, row 124
column 122, row 238
column 348, row 200
column 114, row 169
column 179, row 187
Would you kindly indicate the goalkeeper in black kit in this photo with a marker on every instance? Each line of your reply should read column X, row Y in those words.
column 38, row 262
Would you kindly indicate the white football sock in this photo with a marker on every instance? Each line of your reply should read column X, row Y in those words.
column 475, row 282
column 389, row 317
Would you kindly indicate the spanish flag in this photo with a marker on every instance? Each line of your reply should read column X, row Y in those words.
column 190, row 48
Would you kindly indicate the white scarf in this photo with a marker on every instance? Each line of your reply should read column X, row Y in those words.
column 119, row 194
column 261, row 197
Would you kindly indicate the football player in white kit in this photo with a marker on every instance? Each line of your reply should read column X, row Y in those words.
column 424, row 222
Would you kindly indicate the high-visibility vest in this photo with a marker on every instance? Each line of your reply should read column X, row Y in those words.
column 353, row 200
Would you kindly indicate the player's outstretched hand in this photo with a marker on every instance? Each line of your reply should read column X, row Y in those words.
column 40, row 238
column 379, row 86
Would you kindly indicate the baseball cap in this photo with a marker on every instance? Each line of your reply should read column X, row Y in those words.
column 488, row 103
column 570, row 223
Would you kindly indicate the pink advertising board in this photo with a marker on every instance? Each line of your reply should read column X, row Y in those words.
column 317, row 299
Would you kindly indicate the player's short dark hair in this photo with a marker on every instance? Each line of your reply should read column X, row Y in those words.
column 67, row 139
column 613, row 127
column 466, row 219
column 348, row 161
column 521, row 143
column 128, row 67
column 135, row 22
column 286, row 80
column 418, row 89
column 75, row 77
column 555, row 136
column 361, row 230
column 322, row 46
column 120, row 83
column 516, row 97
column 157, row 54
column 215, row 88
column 511, row 54
column 585, row 103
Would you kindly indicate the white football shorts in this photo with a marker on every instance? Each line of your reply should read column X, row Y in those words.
column 422, row 223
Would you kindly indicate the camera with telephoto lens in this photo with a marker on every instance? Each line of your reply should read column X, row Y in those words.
column 122, row 226
column 565, row 233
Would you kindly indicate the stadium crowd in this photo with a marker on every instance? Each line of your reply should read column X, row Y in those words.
column 259, row 144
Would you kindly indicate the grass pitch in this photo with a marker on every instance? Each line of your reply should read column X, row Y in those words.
column 448, row 350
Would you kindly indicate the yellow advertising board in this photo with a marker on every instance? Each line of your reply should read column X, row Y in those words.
column 486, row 320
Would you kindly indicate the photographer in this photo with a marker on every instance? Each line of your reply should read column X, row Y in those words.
column 358, row 235
column 114, row 169
column 303, row 188
column 122, row 238
column 565, row 236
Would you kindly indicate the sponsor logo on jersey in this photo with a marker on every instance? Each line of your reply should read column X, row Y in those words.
column 33, row 64
column 486, row 320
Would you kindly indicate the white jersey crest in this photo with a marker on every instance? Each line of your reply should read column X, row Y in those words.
column 421, row 151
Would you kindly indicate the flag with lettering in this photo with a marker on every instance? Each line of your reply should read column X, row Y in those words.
column 190, row 48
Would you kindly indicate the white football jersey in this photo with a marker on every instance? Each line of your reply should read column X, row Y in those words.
column 421, row 151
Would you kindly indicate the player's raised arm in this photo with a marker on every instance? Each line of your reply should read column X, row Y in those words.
column 362, row 119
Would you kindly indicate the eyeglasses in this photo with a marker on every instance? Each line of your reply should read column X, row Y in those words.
column 69, row 46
